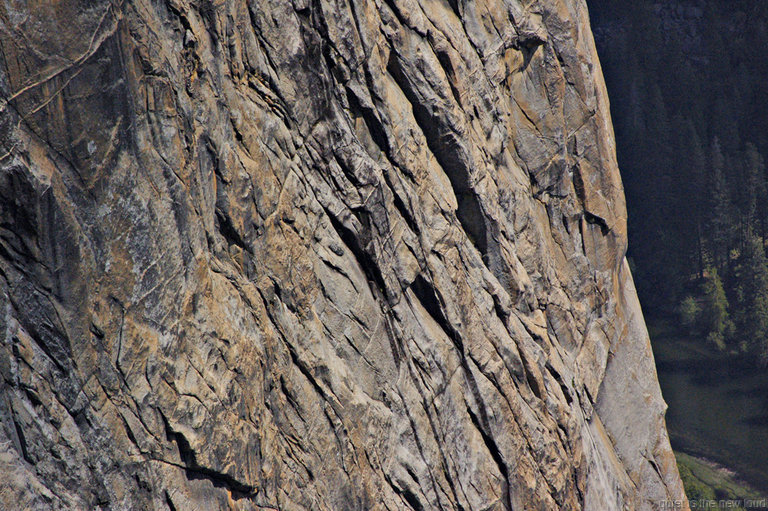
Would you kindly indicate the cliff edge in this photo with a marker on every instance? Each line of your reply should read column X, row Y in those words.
column 319, row 254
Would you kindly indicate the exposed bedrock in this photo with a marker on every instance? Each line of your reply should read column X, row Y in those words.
column 320, row 254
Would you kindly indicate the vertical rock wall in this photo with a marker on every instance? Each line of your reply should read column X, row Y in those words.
column 320, row 254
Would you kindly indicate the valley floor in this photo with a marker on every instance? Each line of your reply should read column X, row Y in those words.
column 717, row 416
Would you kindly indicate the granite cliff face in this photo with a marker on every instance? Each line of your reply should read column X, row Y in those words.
column 316, row 255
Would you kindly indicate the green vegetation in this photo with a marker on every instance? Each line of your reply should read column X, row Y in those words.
column 706, row 312
column 689, row 313
column 752, row 292
column 715, row 321
column 716, row 402
column 707, row 481
column 695, row 488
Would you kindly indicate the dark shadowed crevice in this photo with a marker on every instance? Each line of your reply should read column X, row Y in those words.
column 472, row 220
column 364, row 259
column 444, row 145
column 229, row 232
column 493, row 449
column 591, row 218
column 589, row 395
column 404, row 211
column 302, row 367
column 410, row 498
column 581, row 235
column 426, row 294
column 169, row 502
column 455, row 7
column 655, row 467
column 349, row 173
column 22, row 441
column 559, row 380
column 407, row 495
column 379, row 136
column 396, row 12
column 375, row 128
column 534, row 385
column 500, row 311
column 596, row 220
column 445, row 62
column 429, row 298
column 194, row 471
column 528, row 47
column 129, row 432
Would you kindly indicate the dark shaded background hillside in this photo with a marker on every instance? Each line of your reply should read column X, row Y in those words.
column 687, row 82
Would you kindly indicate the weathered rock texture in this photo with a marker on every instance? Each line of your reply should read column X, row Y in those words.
column 316, row 255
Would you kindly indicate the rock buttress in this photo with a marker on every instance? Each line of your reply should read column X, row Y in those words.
column 317, row 255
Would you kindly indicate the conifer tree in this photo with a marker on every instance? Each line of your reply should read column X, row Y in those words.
column 717, row 322
column 754, row 176
column 690, row 200
column 696, row 177
column 752, row 290
column 720, row 220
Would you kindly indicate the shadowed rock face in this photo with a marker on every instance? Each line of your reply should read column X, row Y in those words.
column 317, row 255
